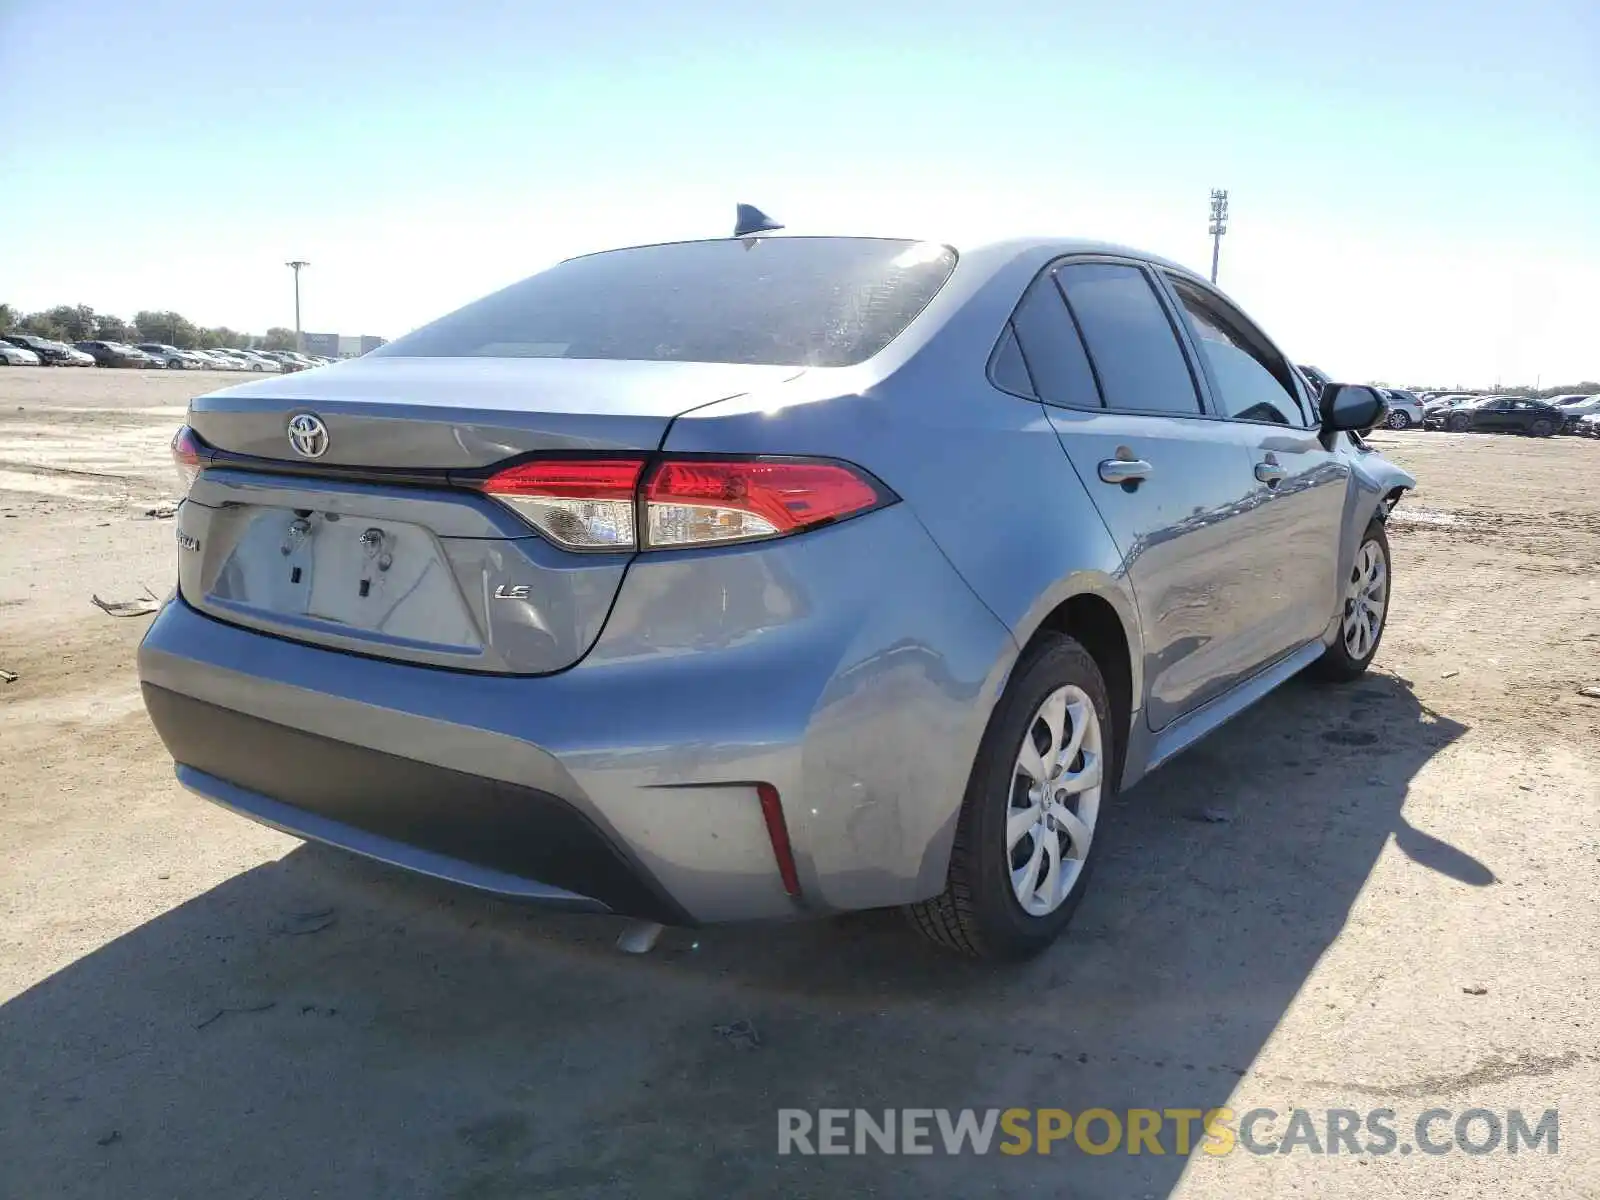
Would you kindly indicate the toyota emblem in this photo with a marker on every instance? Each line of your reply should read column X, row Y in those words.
column 308, row 435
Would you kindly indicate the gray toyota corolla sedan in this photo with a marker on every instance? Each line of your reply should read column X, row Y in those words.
column 765, row 577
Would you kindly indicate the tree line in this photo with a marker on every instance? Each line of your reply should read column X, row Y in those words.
column 80, row 323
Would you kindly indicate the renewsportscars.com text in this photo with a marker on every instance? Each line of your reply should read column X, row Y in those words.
column 1215, row 1131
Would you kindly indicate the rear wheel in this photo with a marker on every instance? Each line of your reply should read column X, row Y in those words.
column 1041, row 781
column 1365, row 610
column 1399, row 420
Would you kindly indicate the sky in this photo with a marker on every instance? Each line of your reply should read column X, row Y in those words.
column 1414, row 187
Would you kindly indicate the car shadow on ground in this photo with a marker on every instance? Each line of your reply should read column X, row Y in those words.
column 319, row 1025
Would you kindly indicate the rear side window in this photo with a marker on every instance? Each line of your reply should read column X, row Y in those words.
column 1010, row 373
column 795, row 301
column 1052, row 348
column 1251, row 383
column 1131, row 342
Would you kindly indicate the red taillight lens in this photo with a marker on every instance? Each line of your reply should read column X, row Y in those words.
column 187, row 457
column 589, row 504
column 691, row 502
column 582, row 504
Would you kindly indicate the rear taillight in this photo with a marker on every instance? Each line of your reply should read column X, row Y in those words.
column 187, row 456
column 582, row 504
column 592, row 504
column 692, row 502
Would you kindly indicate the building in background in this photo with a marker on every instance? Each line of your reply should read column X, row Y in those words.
column 351, row 347
column 341, row 345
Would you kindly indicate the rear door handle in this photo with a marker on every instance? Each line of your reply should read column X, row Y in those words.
column 1125, row 470
column 1270, row 473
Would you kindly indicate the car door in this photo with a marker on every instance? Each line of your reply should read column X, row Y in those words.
column 1525, row 412
column 1295, row 531
column 1493, row 415
column 1171, row 487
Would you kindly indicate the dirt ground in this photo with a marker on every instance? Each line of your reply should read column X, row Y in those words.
column 1376, row 896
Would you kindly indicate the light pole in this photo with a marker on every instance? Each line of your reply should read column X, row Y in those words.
column 299, row 341
column 1219, row 226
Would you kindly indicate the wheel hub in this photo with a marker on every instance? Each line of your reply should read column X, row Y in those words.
column 1366, row 600
column 1055, row 800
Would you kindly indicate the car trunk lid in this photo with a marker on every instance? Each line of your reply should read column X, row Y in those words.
column 374, row 546
column 461, row 413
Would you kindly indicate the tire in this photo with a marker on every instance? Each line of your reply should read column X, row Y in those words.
column 1459, row 422
column 1398, row 420
column 1344, row 661
column 979, row 913
column 1542, row 427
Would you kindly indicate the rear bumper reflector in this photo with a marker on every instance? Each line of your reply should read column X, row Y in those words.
column 778, row 832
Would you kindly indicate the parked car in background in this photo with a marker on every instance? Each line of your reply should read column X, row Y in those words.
column 1440, row 403
column 1405, row 408
column 169, row 356
column 1319, row 378
column 1586, row 426
column 1573, row 408
column 769, row 577
column 286, row 360
column 13, row 355
column 116, row 354
column 1499, row 414
column 253, row 361
column 215, row 360
column 50, row 353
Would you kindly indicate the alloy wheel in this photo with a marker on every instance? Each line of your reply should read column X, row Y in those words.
column 1399, row 420
column 1366, row 600
column 1055, row 800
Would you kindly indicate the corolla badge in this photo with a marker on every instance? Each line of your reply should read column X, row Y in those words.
column 308, row 435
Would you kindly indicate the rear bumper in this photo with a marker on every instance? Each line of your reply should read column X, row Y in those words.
column 851, row 669
column 484, row 833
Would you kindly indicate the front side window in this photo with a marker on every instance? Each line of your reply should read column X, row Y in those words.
column 1250, row 382
column 1131, row 342
column 792, row 301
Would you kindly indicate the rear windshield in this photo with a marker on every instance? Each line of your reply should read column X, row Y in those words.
column 794, row 301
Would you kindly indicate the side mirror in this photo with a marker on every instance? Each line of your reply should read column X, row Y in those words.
column 1349, row 406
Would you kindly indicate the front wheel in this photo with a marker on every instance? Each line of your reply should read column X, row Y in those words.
column 1041, row 782
column 1399, row 420
column 1365, row 611
column 1542, row 427
column 1460, row 422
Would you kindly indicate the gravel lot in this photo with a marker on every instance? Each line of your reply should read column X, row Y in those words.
column 194, row 1006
